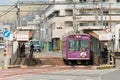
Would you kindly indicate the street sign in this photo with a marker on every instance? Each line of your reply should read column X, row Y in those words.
column 6, row 33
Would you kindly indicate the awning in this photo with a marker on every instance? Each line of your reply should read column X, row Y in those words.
column 101, row 35
column 23, row 35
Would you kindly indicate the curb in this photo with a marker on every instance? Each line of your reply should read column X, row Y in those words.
column 14, row 66
column 104, row 67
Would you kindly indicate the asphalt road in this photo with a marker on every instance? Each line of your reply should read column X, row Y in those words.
column 79, row 74
column 52, row 74
column 115, row 75
column 107, row 74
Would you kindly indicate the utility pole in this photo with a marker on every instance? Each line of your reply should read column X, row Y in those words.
column 113, row 35
column 96, row 15
column 18, row 13
column 46, row 31
column 110, row 15
column 101, row 13
column 74, row 19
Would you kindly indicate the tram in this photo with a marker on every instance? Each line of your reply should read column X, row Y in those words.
column 76, row 48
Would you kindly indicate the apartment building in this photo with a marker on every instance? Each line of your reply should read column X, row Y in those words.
column 87, row 14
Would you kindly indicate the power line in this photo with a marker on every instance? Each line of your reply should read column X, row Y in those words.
column 52, row 2
column 8, row 10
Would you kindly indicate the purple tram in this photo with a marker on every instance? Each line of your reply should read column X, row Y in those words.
column 76, row 49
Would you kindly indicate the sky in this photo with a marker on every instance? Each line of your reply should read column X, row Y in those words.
column 5, row 2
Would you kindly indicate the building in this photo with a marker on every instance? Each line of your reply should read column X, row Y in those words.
column 24, row 33
column 87, row 14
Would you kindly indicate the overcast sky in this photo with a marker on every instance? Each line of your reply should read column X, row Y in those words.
column 4, row 2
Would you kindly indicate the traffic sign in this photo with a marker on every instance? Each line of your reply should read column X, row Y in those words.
column 6, row 33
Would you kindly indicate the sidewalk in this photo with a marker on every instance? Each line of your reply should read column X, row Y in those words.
column 49, row 54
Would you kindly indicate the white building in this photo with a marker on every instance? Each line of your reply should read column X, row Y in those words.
column 88, row 14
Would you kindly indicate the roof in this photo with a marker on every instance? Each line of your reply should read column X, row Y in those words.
column 23, row 36
column 27, row 28
column 101, row 35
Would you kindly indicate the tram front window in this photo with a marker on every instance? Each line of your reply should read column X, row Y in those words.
column 78, row 45
column 84, row 45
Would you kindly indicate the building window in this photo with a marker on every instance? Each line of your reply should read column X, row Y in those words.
column 118, row 0
column 94, row 24
column 83, row 0
column 117, row 12
column 84, row 24
column 105, row 23
column 68, row 23
column 69, row 12
column 69, row 0
column 103, row 0
column 82, row 11
column 105, row 12
column 56, row 13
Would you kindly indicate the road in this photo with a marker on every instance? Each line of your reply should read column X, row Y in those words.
column 60, row 73
column 74, row 74
column 112, row 76
column 71, row 73
column 48, row 72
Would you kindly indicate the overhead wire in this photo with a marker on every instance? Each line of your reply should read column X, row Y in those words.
column 8, row 10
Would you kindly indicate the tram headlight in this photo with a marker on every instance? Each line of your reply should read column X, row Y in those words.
column 83, row 54
column 78, row 36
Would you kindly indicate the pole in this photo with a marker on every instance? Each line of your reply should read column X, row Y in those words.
column 74, row 19
column 18, row 13
column 101, row 13
column 113, row 50
column 110, row 15
column 46, row 31
column 7, row 59
column 96, row 15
